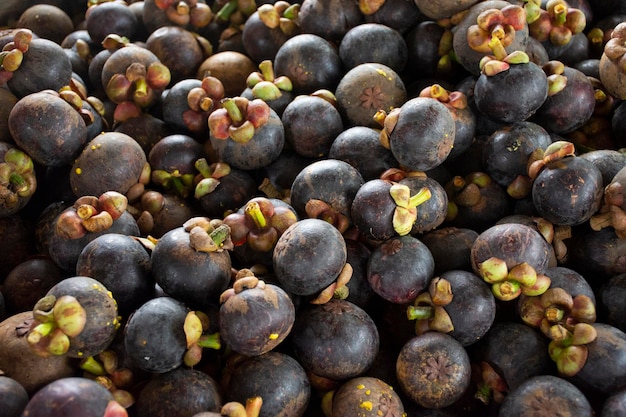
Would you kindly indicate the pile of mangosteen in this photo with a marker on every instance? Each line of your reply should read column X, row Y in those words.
column 337, row 208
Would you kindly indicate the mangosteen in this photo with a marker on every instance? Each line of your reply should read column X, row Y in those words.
column 546, row 394
column 382, row 209
column 311, row 125
column 73, row 396
column 567, row 107
column 230, row 67
column 311, row 63
column 360, row 147
column 154, row 335
column 278, row 378
column 515, row 35
column 300, row 273
column 110, row 18
column 255, row 317
column 514, row 352
column 457, row 303
column 67, row 233
column 28, row 282
column 450, row 247
column 30, row 370
column 336, row 340
column 433, row 370
column 325, row 189
column 506, row 151
column 567, row 190
column 183, row 392
column 18, row 181
column 476, row 201
column 367, row 88
column 14, row 396
column 256, row 227
column 262, row 35
column 187, row 270
column 329, row 19
column 77, row 317
column 420, row 133
column 373, row 42
column 172, row 162
column 177, row 48
column 63, row 128
column 366, row 396
column 38, row 53
column 400, row 268
column 221, row 189
column 120, row 263
column 246, row 134
column 111, row 161
column 46, row 21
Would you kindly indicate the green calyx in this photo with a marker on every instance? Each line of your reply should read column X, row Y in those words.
column 508, row 284
column 405, row 213
column 59, row 320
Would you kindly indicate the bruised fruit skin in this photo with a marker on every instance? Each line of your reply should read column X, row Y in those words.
column 32, row 371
